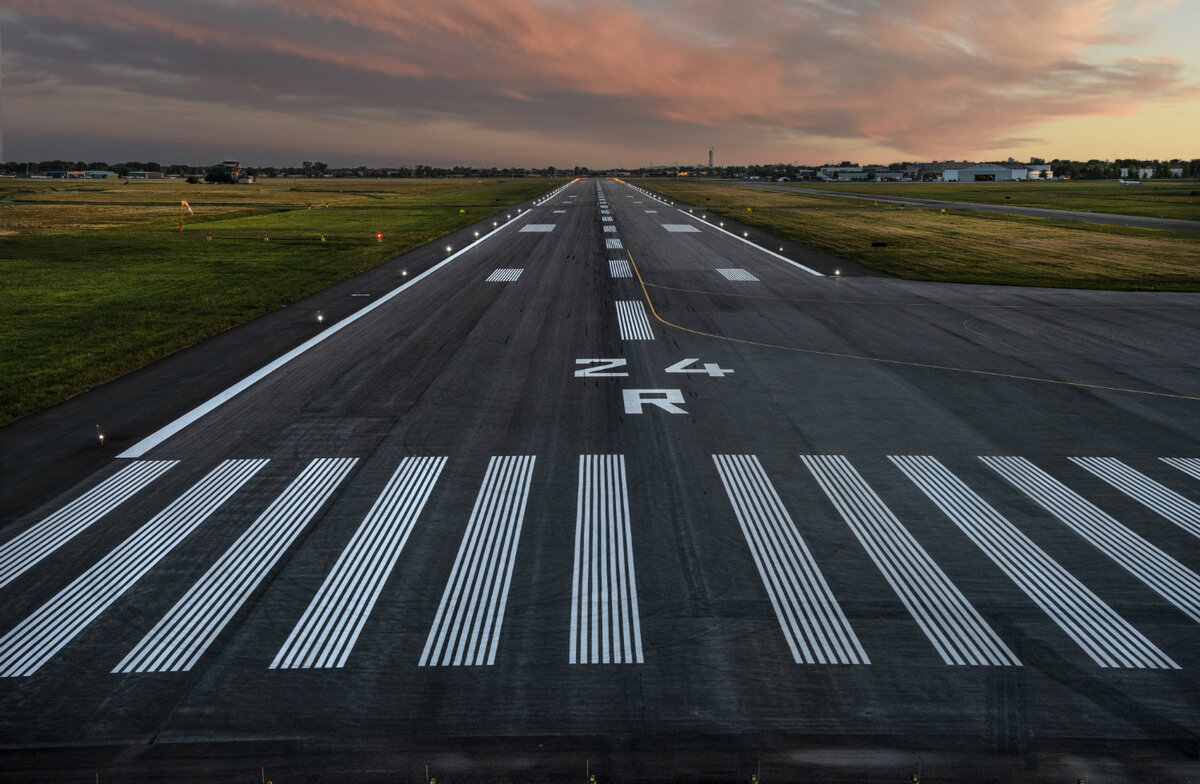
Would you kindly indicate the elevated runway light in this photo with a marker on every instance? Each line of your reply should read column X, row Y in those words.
column 476, row 234
column 448, row 248
column 404, row 273
column 100, row 435
column 320, row 317
column 494, row 224
column 379, row 236
column 745, row 234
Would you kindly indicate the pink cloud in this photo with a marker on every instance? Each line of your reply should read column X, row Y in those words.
column 933, row 77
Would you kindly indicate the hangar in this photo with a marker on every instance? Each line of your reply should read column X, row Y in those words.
column 986, row 172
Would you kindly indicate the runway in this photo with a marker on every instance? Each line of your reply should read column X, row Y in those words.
column 616, row 482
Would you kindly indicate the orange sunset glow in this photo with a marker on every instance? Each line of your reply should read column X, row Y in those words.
column 621, row 82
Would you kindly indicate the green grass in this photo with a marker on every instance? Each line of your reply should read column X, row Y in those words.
column 959, row 246
column 1153, row 198
column 96, row 289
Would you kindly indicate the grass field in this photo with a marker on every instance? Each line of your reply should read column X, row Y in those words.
column 1153, row 198
column 98, row 280
column 959, row 246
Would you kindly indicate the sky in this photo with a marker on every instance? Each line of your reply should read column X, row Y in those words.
column 598, row 83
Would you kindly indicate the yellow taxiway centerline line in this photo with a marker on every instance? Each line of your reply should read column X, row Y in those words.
column 884, row 360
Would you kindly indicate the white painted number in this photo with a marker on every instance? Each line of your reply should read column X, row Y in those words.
column 601, row 365
column 666, row 399
column 682, row 366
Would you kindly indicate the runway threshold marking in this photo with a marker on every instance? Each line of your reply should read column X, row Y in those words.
column 326, row 633
column 1188, row 465
column 605, row 625
column 1181, row 511
column 1154, row 567
column 182, row 636
column 34, row 641
column 1107, row 638
column 466, row 630
column 739, row 275
column 899, row 362
column 39, row 540
column 165, row 432
column 951, row 623
column 812, row 621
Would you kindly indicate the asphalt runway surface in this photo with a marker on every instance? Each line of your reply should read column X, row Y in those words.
column 618, row 489
column 1135, row 221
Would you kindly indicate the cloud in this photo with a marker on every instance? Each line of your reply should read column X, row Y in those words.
column 932, row 78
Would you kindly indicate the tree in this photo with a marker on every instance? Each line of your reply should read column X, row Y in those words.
column 217, row 173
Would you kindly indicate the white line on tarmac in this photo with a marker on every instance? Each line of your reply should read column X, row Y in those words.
column 163, row 433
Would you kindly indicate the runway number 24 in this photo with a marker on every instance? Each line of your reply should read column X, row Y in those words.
column 636, row 400
column 607, row 368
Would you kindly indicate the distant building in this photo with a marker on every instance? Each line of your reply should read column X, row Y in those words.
column 841, row 173
column 1140, row 173
column 98, row 175
column 233, row 169
column 986, row 172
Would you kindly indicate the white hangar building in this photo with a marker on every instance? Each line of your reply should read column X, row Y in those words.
column 987, row 172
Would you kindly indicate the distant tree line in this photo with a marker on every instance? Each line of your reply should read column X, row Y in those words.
column 218, row 173
column 1076, row 170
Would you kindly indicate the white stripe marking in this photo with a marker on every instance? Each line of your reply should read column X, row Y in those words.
column 949, row 621
column 1160, row 572
column 329, row 628
column 539, row 227
column 680, row 228
column 39, row 540
column 632, row 321
column 43, row 634
column 619, row 268
column 813, row 624
column 740, row 275
column 1181, row 511
column 504, row 275
column 1103, row 635
column 178, row 641
column 1188, row 465
column 612, row 244
column 605, row 627
column 466, row 630
column 163, row 433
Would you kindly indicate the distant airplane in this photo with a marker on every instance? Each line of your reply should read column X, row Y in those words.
column 1130, row 182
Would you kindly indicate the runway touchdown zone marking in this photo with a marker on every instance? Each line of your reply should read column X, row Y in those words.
column 739, row 275
column 680, row 228
column 538, row 227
